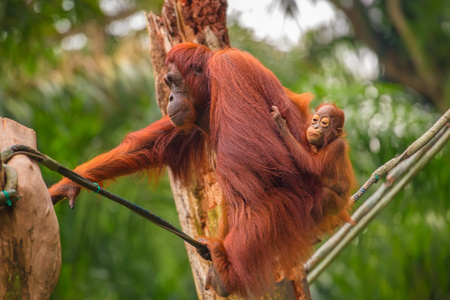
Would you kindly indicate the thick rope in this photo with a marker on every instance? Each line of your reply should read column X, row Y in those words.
column 9, row 196
column 373, row 179
column 66, row 172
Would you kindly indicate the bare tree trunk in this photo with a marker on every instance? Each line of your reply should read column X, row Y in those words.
column 30, row 250
column 199, row 205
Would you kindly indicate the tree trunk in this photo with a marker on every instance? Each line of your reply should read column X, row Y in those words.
column 30, row 250
column 199, row 205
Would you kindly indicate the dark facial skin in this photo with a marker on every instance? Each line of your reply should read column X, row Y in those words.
column 321, row 126
column 180, row 109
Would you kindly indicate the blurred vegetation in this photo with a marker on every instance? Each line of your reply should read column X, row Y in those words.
column 412, row 49
column 83, row 96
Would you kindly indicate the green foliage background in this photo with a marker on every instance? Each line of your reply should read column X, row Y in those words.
column 81, row 103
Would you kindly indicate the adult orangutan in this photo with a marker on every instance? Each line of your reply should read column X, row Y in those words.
column 220, row 102
column 329, row 151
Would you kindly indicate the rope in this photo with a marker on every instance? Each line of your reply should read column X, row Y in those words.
column 9, row 196
column 8, row 201
column 95, row 187
column 373, row 179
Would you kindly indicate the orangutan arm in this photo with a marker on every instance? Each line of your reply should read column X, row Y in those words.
column 139, row 150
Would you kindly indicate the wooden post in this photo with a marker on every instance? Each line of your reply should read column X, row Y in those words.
column 198, row 205
column 30, row 250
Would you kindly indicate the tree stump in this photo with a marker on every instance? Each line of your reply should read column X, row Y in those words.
column 30, row 249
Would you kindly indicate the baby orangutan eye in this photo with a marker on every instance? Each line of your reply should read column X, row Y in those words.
column 315, row 119
column 325, row 122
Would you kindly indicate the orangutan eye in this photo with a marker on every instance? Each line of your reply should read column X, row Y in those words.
column 168, row 79
column 315, row 119
column 325, row 122
column 197, row 68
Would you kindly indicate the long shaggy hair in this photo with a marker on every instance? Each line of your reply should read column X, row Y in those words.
column 271, row 206
column 269, row 200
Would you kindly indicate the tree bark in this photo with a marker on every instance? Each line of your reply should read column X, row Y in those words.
column 30, row 250
column 199, row 204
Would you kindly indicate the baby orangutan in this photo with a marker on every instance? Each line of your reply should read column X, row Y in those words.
column 328, row 151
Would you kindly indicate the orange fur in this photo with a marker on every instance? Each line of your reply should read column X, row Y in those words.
column 159, row 144
column 335, row 169
column 270, row 198
column 301, row 101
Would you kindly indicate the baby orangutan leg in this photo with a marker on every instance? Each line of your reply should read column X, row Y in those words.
column 216, row 253
column 333, row 203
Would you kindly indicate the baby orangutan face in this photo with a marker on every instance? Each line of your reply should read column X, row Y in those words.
column 325, row 126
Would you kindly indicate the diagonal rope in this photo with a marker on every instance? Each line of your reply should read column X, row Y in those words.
column 53, row 165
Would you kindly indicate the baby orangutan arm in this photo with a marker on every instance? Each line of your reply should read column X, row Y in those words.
column 333, row 157
column 302, row 157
